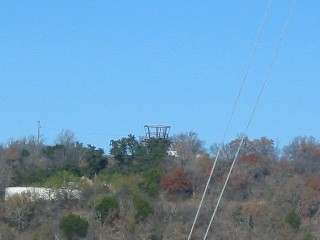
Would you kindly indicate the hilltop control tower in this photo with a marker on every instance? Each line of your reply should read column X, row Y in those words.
column 157, row 131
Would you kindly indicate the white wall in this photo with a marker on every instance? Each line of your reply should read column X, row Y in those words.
column 42, row 193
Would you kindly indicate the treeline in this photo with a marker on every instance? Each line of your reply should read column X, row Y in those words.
column 138, row 191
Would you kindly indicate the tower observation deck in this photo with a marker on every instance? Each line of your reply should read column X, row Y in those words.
column 157, row 131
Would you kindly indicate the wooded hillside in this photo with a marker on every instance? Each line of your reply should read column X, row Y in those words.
column 137, row 191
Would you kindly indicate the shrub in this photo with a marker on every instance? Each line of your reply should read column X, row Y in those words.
column 309, row 236
column 120, row 181
column 74, row 226
column 142, row 207
column 153, row 190
column 177, row 182
column 152, row 182
column 293, row 219
column 19, row 210
column 5, row 232
column 107, row 209
column 95, row 161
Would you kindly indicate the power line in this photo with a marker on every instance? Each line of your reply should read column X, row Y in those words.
column 253, row 111
column 232, row 112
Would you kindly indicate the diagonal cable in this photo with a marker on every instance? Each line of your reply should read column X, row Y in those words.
column 232, row 113
column 253, row 111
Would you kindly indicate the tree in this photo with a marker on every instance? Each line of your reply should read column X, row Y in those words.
column 310, row 200
column 293, row 219
column 124, row 149
column 6, row 232
column 229, row 150
column 66, row 185
column 264, row 146
column 153, row 151
column 257, row 166
column 309, row 236
column 305, row 153
column 19, row 210
column 24, row 154
column 107, row 210
column 300, row 147
column 188, row 145
column 142, row 207
column 5, row 174
column 74, row 226
column 239, row 184
column 56, row 155
column 152, row 181
column 95, row 161
column 199, row 171
column 177, row 183
column 66, row 138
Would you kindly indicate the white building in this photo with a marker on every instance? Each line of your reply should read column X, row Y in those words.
column 42, row 193
column 172, row 153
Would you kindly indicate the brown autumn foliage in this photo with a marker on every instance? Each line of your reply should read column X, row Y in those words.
column 250, row 158
column 177, row 183
column 310, row 199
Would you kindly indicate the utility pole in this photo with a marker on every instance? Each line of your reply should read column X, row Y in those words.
column 38, row 136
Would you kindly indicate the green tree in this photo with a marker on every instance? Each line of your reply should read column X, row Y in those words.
column 309, row 236
column 293, row 219
column 74, row 226
column 155, row 151
column 124, row 149
column 56, row 153
column 24, row 154
column 66, row 184
column 95, row 161
column 107, row 210
column 142, row 207
column 152, row 182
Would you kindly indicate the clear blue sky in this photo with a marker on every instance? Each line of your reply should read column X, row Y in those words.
column 104, row 69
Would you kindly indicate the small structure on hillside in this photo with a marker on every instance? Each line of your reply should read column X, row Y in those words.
column 157, row 131
column 173, row 153
column 34, row 193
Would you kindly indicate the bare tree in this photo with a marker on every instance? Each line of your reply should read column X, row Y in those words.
column 19, row 209
column 66, row 138
column 188, row 145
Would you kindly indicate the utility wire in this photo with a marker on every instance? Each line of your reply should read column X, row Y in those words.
column 232, row 113
column 253, row 111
